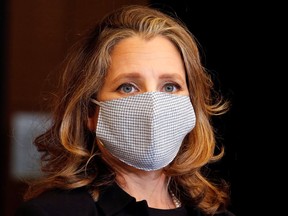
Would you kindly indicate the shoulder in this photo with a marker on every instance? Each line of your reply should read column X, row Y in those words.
column 59, row 202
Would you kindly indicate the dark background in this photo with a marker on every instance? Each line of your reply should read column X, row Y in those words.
column 243, row 46
column 219, row 31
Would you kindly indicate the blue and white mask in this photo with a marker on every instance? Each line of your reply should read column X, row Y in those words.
column 145, row 130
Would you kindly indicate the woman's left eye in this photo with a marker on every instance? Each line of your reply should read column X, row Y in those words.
column 171, row 87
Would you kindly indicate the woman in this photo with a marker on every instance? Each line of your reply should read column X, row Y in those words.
column 131, row 132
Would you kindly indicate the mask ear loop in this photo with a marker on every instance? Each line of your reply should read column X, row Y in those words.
column 95, row 101
column 98, row 141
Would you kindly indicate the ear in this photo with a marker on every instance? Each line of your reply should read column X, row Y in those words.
column 92, row 118
column 91, row 123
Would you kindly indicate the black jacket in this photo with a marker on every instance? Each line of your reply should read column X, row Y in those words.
column 78, row 202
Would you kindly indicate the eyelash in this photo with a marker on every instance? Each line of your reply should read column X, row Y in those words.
column 120, row 88
column 176, row 85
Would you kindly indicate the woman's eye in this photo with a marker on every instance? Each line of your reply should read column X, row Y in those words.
column 126, row 88
column 171, row 87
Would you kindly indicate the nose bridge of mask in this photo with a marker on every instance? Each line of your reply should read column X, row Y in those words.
column 151, row 100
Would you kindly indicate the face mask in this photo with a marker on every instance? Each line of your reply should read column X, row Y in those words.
column 145, row 130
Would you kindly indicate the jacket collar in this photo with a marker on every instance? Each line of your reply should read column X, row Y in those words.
column 114, row 199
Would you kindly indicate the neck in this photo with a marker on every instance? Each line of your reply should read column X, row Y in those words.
column 151, row 186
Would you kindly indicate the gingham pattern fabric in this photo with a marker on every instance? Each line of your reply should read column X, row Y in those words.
column 145, row 130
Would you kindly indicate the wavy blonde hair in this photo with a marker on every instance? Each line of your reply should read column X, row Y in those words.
column 71, row 158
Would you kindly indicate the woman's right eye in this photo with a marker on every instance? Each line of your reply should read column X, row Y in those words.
column 127, row 88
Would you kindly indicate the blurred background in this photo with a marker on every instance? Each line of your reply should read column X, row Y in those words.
column 36, row 34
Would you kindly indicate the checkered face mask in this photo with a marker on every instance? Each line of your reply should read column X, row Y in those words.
column 145, row 130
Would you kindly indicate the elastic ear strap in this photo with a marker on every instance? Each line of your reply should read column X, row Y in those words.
column 100, row 142
column 95, row 101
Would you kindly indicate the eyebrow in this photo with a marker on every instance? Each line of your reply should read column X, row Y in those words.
column 126, row 75
column 137, row 75
column 173, row 76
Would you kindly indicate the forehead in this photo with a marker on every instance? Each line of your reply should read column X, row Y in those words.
column 158, row 53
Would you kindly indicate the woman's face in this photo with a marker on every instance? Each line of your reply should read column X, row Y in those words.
column 139, row 66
